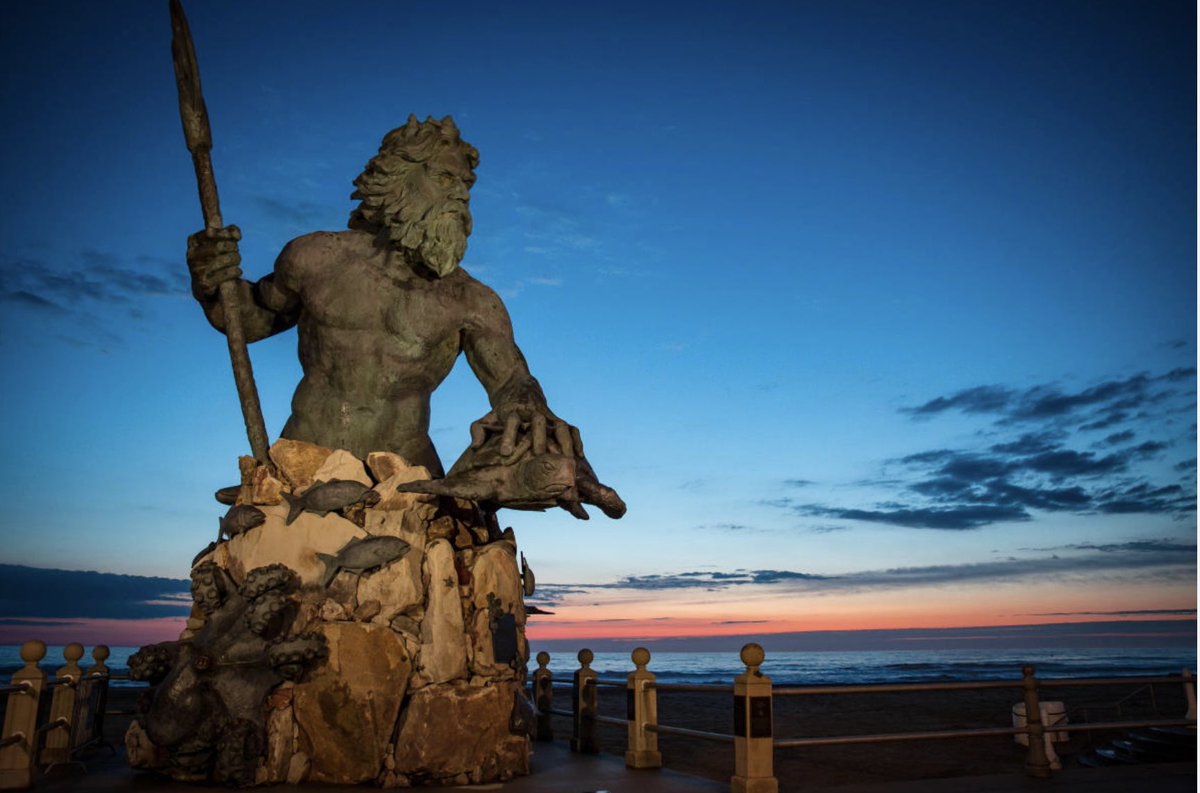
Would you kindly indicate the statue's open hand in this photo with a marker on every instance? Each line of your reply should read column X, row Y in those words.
column 213, row 258
column 527, row 428
column 520, row 414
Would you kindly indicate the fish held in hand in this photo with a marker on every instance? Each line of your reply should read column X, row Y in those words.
column 535, row 483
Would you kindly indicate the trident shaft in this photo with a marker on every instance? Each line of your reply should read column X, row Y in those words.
column 198, row 135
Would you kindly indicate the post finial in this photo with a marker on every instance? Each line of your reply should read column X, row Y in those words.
column 543, row 659
column 753, row 656
column 33, row 651
column 585, row 657
column 640, row 657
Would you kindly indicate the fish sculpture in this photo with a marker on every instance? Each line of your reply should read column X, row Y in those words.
column 240, row 519
column 527, row 579
column 212, row 546
column 332, row 496
column 363, row 554
column 228, row 495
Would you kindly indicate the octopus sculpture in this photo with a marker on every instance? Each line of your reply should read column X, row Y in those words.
column 205, row 704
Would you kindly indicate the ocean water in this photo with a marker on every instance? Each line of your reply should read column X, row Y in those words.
column 891, row 666
column 817, row 668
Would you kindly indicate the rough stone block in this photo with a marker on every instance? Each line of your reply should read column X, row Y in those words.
column 264, row 488
column 281, row 729
column 341, row 464
column 347, row 709
column 456, row 734
column 443, row 644
column 298, row 461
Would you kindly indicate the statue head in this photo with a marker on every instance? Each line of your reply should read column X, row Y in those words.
column 415, row 191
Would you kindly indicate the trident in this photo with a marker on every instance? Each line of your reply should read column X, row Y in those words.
column 198, row 135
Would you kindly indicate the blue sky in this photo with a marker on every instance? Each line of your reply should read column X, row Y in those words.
column 877, row 315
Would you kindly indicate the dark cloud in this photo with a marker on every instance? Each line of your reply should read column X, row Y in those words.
column 710, row 580
column 826, row 528
column 1096, row 406
column 981, row 399
column 1117, row 438
column 550, row 595
column 798, row 482
column 1142, row 497
column 38, row 303
column 1063, row 463
column 1162, row 560
column 31, row 592
column 301, row 214
column 949, row 518
column 94, row 278
column 1158, row 546
column 1043, row 468
column 1139, row 613
column 1030, row 443
column 1107, row 420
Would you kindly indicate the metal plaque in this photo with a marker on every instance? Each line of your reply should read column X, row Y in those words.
column 760, row 717
column 504, row 639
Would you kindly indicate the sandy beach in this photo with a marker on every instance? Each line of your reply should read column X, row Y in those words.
column 827, row 715
column 836, row 715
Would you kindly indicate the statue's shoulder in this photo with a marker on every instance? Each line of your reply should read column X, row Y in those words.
column 321, row 249
column 468, row 284
column 481, row 300
column 332, row 242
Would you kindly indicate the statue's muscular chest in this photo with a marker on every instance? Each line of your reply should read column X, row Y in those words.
column 406, row 317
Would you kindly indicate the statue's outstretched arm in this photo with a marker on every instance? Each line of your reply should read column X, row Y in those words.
column 521, row 429
column 518, row 404
column 268, row 307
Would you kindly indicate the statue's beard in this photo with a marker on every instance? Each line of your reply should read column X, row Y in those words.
column 438, row 239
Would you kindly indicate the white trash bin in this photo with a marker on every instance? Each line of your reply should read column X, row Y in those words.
column 1053, row 714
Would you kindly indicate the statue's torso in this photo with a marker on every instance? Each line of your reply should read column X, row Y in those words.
column 375, row 340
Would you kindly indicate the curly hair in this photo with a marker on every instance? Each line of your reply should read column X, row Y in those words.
column 381, row 186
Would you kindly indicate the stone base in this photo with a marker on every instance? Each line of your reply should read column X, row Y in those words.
column 455, row 734
column 381, row 642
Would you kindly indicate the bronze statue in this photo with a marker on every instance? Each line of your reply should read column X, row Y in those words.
column 383, row 311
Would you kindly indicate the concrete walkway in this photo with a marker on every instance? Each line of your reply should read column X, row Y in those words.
column 556, row 770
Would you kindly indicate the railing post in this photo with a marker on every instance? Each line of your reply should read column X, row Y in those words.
column 641, row 710
column 753, row 733
column 583, row 738
column 1036, row 761
column 93, row 699
column 57, row 748
column 1189, row 691
column 543, row 697
column 20, row 720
